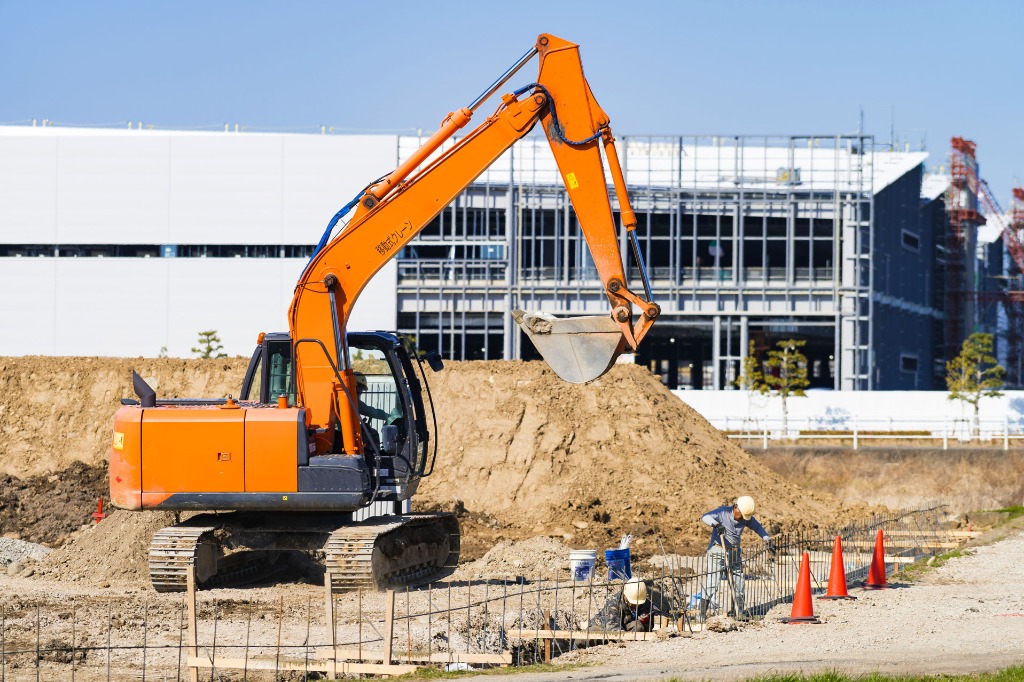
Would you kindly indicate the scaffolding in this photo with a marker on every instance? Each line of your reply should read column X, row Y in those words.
column 746, row 237
column 965, row 291
column 961, row 245
column 1015, row 297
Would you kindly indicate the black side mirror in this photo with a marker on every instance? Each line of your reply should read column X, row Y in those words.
column 389, row 439
column 434, row 360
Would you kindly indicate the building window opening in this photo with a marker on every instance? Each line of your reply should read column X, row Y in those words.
column 911, row 242
column 908, row 363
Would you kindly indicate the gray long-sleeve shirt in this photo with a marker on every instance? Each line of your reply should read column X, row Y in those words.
column 721, row 521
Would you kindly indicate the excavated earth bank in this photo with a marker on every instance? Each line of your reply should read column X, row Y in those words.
column 59, row 410
column 965, row 479
column 521, row 454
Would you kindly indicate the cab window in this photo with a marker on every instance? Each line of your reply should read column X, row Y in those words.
column 279, row 372
column 377, row 389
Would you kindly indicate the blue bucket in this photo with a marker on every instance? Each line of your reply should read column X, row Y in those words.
column 618, row 564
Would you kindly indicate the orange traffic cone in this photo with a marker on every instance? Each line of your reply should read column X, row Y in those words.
column 837, row 576
column 876, row 574
column 803, row 606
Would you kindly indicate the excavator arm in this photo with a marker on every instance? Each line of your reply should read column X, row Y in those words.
column 393, row 210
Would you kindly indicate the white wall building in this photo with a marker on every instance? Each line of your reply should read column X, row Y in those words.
column 86, row 214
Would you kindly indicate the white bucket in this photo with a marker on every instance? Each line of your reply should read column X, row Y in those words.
column 581, row 563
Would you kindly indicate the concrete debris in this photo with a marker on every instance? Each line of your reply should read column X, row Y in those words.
column 721, row 624
column 15, row 552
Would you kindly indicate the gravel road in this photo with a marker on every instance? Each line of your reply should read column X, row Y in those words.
column 965, row 616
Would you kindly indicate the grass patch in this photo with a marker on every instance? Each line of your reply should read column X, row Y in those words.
column 431, row 673
column 1015, row 512
column 1012, row 674
column 919, row 568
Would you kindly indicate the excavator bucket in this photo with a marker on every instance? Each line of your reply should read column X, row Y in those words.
column 578, row 349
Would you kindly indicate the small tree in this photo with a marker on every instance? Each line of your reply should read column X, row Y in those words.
column 786, row 374
column 751, row 377
column 209, row 345
column 974, row 374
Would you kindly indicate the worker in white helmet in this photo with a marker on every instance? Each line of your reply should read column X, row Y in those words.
column 723, row 553
column 635, row 608
column 631, row 609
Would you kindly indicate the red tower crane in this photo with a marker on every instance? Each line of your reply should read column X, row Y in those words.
column 967, row 193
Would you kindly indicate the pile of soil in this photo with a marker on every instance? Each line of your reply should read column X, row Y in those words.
column 526, row 454
column 45, row 509
column 534, row 557
column 521, row 452
column 114, row 549
column 57, row 410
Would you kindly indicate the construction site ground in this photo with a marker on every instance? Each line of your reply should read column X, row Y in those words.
column 962, row 617
column 965, row 616
column 542, row 467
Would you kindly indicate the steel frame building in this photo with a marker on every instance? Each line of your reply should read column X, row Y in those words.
column 746, row 238
column 129, row 241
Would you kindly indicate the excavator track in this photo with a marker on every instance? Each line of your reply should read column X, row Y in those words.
column 172, row 550
column 388, row 552
column 379, row 553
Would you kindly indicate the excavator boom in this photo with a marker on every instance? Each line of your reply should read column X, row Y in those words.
column 392, row 211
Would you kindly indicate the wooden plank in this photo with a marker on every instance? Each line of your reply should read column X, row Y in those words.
column 933, row 534
column 353, row 654
column 547, row 641
column 332, row 670
column 193, row 634
column 582, row 635
column 197, row 662
column 904, row 545
column 389, row 625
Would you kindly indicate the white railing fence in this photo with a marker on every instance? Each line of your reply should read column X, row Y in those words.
column 851, row 429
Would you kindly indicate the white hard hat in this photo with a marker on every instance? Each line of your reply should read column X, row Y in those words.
column 360, row 379
column 746, row 506
column 635, row 591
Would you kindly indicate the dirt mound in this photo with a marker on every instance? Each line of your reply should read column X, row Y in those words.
column 587, row 463
column 115, row 549
column 47, row 508
column 527, row 453
column 54, row 410
column 534, row 557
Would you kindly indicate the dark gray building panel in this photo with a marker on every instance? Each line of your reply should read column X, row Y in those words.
column 747, row 239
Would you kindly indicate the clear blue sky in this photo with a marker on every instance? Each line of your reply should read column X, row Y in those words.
column 947, row 68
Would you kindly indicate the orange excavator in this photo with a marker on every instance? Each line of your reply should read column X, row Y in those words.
column 330, row 421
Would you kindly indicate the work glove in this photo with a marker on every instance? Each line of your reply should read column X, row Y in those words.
column 771, row 546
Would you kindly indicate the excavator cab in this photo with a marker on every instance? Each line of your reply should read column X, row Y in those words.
column 392, row 398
